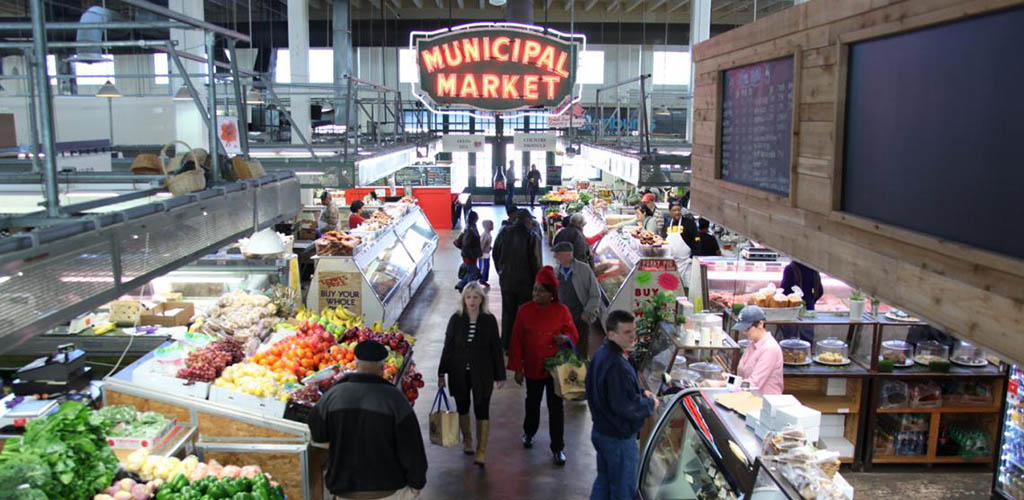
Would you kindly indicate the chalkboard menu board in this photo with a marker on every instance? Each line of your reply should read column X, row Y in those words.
column 757, row 125
column 554, row 177
column 409, row 176
column 438, row 176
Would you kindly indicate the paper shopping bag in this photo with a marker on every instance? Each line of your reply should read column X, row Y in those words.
column 570, row 381
column 444, row 423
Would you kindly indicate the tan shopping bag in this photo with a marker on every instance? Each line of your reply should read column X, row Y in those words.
column 570, row 381
column 444, row 423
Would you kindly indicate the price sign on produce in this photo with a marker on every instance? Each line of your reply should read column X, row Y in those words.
column 340, row 289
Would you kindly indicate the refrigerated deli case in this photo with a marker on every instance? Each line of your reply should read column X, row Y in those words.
column 380, row 279
column 1009, row 477
column 699, row 451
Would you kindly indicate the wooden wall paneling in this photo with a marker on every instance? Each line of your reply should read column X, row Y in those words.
column 819, row 84
column 783, row 46
column 795, row 137
column 842, row 52
column 821, row 56
column 816, row 139
column 817, row 112
column 916, row 14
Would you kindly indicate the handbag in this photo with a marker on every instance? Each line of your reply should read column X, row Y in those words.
column 444, row 423
column 458, row 240
column 462, row 270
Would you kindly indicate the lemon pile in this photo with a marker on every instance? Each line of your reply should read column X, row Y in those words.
column 256, row 380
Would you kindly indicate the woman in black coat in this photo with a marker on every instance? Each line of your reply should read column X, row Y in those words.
column 472, row 358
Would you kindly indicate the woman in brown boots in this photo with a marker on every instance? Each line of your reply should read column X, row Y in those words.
column 472, row 358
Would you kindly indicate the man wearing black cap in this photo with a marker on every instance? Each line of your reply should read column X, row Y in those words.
column 376, row 450
column 517, row 260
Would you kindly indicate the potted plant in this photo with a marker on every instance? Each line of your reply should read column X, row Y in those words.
column 875, row 304
column 657, row 312
column 856, row 305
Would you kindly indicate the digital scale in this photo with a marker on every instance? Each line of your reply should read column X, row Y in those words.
column 16, row 411
column 759, row 254
column 60, row 372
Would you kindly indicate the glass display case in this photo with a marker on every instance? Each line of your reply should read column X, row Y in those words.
column 897, row 351
column 419, row 237
column 795, row 352
column 614, row 258
column 210, row 277
column 928, row 351
column 1009, row 477
column 968, row 354
column 733, row 280
column 388, row 267
column 832, row 351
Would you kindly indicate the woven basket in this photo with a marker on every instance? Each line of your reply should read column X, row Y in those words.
column 147, row 164
column 186, row 182
column 247, row 169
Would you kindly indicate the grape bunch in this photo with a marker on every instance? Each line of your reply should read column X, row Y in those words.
column 207, row 363
column 306, row 396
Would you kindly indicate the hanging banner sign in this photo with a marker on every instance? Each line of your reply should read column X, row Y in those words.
column 534, row 142
column 462, row 143
column 227, row 132
column 496, row 67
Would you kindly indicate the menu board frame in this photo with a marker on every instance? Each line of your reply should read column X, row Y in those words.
column 794, row 143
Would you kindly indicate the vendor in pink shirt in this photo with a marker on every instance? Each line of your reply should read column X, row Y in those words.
column 761, row 364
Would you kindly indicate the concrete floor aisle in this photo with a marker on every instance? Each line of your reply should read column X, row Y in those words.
column 514, row 473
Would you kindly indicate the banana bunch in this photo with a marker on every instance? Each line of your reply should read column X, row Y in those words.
column 335, row 320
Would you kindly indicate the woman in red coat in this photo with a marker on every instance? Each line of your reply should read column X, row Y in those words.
column 542, row 326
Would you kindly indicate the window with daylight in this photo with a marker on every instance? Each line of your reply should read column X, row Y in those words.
column 407, row 69
column 671, row 68
column 160, row 69
column 321, row 66
column 51, row 68
column 591, row 70
column 95, row 73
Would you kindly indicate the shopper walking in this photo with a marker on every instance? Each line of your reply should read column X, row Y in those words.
column 532, row 183
column 510, row 187
column 573, row 233
column 517, row 264
column 469, row 243
column 761, row 363
column 486, row 245
column 578, row 290
column 618, row 408
column 374, row 443
column 473, row 361
column 542, row 326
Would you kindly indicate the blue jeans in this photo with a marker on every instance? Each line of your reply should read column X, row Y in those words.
column 485, row 269
column 618, row 461
column 472, row 273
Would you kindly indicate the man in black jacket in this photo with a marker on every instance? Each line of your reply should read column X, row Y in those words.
column 376, row 450
column 517, row 260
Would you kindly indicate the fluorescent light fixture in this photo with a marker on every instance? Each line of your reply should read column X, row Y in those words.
column 193, row 278
column 91, row 194
column 303, row 172
column 108, row 90
column 254, row 97
column 663, row 111
column 183, row 94
column 292, row 153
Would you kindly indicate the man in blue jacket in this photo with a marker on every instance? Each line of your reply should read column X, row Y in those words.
column 618, row 407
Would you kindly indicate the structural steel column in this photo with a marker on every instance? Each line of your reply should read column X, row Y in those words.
column 343, row 55
column 298, row 52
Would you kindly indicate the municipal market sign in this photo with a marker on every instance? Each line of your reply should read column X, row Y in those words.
column 497, row 68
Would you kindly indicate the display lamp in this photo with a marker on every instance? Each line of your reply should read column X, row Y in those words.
column 108, row 90
column 663, row 111
column 183, row 94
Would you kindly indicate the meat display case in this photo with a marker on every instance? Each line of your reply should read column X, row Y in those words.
column 731, row 280
column 383, row 275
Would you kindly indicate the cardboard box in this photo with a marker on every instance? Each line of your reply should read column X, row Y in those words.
column 156, row 316
column 770, row 407
column 150, row 376
column 152, row 442
column 268, row 407
column 753, row 419
column 833, row 420
column 840, row 444
column 813, row 434
column 800, row 417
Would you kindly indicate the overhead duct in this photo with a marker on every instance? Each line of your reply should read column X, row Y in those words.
column 94, row 14
column 519, row 11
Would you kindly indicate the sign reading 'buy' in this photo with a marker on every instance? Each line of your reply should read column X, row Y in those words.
column 496, row 68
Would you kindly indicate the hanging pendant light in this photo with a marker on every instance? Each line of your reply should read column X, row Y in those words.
column 183, row 94
column 663, row 111
column 108, row 90
column 254, row 97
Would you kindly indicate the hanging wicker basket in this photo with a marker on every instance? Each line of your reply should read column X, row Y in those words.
column 147, row 164
column 181, row 183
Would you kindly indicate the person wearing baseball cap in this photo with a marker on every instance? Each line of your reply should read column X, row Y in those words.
column 375, row 448
column 761, row 363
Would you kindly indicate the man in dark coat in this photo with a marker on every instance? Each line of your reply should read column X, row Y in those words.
column 517, row 260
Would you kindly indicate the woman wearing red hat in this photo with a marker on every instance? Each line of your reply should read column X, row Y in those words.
column 542, row 326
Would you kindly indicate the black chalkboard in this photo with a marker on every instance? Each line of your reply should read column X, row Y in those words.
column 757, row 125
column 409, row 176
column 933, row 131
column 554, row 175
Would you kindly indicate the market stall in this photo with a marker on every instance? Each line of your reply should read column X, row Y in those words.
column 377, row 274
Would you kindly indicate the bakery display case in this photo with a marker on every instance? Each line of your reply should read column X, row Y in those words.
column 898, row 352
column 832, row 351
column 930, row 351
column 795, row 352
column 968, row 354
column 379, row 280
column 735, row 280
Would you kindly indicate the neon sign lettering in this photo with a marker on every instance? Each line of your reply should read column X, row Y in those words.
column 497, row 68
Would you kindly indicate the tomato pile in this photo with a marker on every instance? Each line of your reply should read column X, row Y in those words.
column 312, row 348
